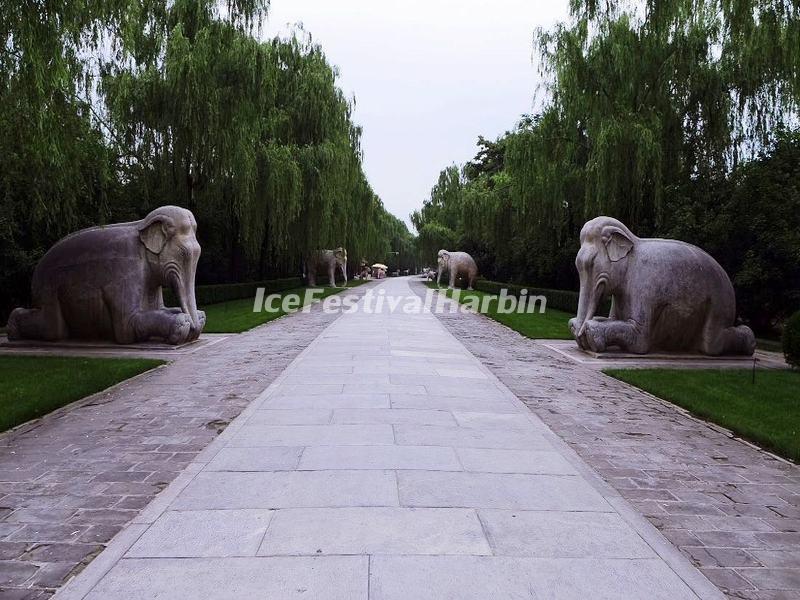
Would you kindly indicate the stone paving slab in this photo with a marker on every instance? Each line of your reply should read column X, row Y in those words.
column 71, row 481
column 482, row 577
column 732, row 509
column 284, row 577
column 391, row 506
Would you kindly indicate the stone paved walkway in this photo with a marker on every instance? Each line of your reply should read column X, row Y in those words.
column 732, row 509
column 388, row 463
column 71, row 481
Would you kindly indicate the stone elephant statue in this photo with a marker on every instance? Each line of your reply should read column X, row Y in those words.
column 105, row 283
column 665, row 295
column 327, row 260
column 456, row 263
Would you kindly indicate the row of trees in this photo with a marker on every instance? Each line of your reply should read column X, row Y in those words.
column 671, row 116
column 111, row 108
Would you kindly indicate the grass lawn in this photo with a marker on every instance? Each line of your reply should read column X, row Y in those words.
column 551, row 325
column 236, row 316
column 35, row 385
column 767, row 413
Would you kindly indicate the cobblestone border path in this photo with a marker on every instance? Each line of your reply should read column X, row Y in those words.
column 68, row 485
column 733, row 509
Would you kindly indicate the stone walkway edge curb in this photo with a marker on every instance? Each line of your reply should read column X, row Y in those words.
column 83, row 583
column 676, row 561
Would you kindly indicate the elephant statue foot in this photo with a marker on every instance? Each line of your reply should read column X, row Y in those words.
column 172, row 325
column 600, row 333
column 36, row 323
column 731, row 340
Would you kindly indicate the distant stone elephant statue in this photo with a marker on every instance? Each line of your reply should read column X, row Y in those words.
column 665, row 295
column 456, row 263
column 105, row 283
column 327, row 260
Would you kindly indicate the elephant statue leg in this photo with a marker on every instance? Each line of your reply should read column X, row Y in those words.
column 46, row 323
column 201, row 317
column 471, row 280
column 332, row 274
column 628, row 335
column 730, row 340
column 452, row 279
column 311, row 271
column 173, row 327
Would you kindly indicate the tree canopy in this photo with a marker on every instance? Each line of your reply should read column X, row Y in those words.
column 649, row 107
column 111, row 108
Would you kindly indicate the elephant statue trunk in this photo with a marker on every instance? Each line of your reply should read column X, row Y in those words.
column 183, row 286
column 589, row 303
column 665, row 295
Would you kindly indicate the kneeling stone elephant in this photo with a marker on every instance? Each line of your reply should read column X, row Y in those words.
column 457, row 263
column 328, row 260
column 665, row 295
column 105, row 283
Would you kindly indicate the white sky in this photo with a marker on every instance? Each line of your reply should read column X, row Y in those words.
column 428, row 77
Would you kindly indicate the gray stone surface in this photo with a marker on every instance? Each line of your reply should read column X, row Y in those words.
column 105, row 283
column 435, row 458
column 203, row 533
column 499, row 490
column 491, row 460
column 482, row 577
column 301, row 578
column 70, row 482
column 666, row 295
column 289, row 489
column 375, row 531
column 722, row 502
column 363, row 506
column 547, row 534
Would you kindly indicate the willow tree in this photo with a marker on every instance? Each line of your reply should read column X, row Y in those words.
column 254, row 136
column 660, row 92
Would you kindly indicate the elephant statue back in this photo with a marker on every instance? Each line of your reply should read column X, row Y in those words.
column 106, row 283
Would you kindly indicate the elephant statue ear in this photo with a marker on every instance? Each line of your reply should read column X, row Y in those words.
column 618, row 244
column 155, row 231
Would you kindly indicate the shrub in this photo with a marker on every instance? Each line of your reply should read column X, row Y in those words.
column 564, row 300
column 791, row 340
column 211, row 294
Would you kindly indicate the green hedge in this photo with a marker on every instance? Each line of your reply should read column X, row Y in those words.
column 211, row 294
column 791, row 340
column 565, row 300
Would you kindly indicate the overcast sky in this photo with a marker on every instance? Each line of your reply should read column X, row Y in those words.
column 428, row 77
